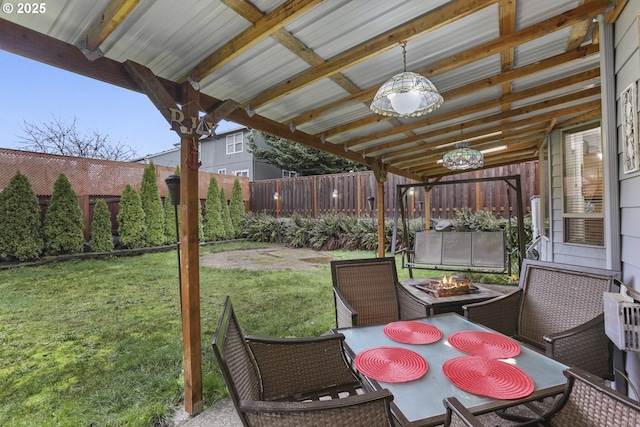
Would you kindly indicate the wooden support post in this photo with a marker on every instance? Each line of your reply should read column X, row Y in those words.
column 190, row 265
column 381, row 177
column 380, row 197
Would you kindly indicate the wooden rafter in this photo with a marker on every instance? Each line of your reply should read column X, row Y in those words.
column 494, row 103
column 484, row 83
column 252, row 14
column 421, row 25
column 508, row 41
column 262, row 28
column 115, row 12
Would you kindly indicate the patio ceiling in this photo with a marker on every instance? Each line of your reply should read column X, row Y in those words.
column 510, row 71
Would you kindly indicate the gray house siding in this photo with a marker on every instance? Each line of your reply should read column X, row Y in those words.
column 627, row 68
column 214, row 157
column 562, row 252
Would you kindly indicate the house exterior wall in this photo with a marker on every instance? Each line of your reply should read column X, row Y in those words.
column 566, row 253
column 214, row 157
column 627, row 68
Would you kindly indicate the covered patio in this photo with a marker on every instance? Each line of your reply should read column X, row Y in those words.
column 512, row 73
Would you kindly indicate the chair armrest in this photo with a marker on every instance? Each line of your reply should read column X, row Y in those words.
column 585, row 346
column 346, row 316
column 411, row 307
column 370, row 409
column 299, row 366
column 458, row 415
column 499, row 313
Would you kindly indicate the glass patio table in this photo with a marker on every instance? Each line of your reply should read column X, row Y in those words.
column 419, row 402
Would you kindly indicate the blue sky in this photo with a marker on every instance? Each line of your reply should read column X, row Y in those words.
column 37, row 92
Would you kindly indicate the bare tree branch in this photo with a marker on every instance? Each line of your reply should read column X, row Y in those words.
column 58, row 137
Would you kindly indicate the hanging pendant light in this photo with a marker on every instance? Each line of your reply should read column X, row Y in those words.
column 463, row 157
column 406, row 94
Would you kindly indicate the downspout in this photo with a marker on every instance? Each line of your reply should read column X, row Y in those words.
column 610, row 146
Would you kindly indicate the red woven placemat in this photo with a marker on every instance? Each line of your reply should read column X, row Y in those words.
column 410, row 332
column 488, row 377
column 487, row 344
column 391, row 364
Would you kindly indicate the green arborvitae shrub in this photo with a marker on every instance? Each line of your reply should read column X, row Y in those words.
column 236, row 207
column 170, row 221
column 131, row 224
column 229, row 233
column 200, row 227
column 20, row 228
column 101, row 238
column 63, row 221
column 213, row 227
column 152, row 206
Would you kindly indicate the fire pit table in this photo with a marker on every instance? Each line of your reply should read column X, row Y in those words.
column 448, row 294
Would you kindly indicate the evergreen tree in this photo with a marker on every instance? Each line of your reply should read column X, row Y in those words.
column 101, row 237
column 236, row 207
column 304, row 160
column 213, row 227
column 63, row 221
column 170, row 221
column 131, row 224
column 226, row 217
column 20, row 228
column 152, row 206
column 200, row 220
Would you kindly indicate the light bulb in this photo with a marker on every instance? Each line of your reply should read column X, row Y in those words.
column 405, row 102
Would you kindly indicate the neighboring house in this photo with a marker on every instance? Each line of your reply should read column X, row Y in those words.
column 226, row 153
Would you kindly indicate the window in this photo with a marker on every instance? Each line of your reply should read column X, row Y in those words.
column 583, row 181
column 222, row 171
column 289, row 174
column 234, row 143
column 242, row 173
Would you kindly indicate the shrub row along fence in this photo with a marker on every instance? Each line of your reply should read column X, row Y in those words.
column 94, row 179
column 347, row 194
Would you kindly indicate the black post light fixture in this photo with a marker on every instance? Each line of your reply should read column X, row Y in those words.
column 173, row 185
column 370, row 201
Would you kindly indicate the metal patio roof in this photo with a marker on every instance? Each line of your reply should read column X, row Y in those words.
column 510, row 71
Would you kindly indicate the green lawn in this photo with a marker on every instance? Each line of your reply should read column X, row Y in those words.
column 98, row 342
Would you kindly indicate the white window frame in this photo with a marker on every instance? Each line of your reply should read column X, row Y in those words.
column 243, row 172
column 222, row 171
column 289, row 174
column 235, row 143
column 585, row 216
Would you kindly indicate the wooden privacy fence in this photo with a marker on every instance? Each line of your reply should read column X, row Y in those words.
column 348, row 193
column 94, row 179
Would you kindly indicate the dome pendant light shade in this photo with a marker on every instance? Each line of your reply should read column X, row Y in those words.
column 406, row 94
column 462, row 158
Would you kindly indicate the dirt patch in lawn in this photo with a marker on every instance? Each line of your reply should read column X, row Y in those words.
column 279, row 258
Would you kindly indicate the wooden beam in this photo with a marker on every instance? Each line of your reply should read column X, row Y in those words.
column 153, row 88
column 487, row 105
column 112, row 15
column 527, row 109
column 190, row 265
column 252, row 14
column 421, row 25
column 503, row 77
column 264, row 27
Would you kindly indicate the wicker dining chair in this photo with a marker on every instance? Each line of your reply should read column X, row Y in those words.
column 557, row 309
column 367, row 292
column 586, row 402
column 279, row 382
